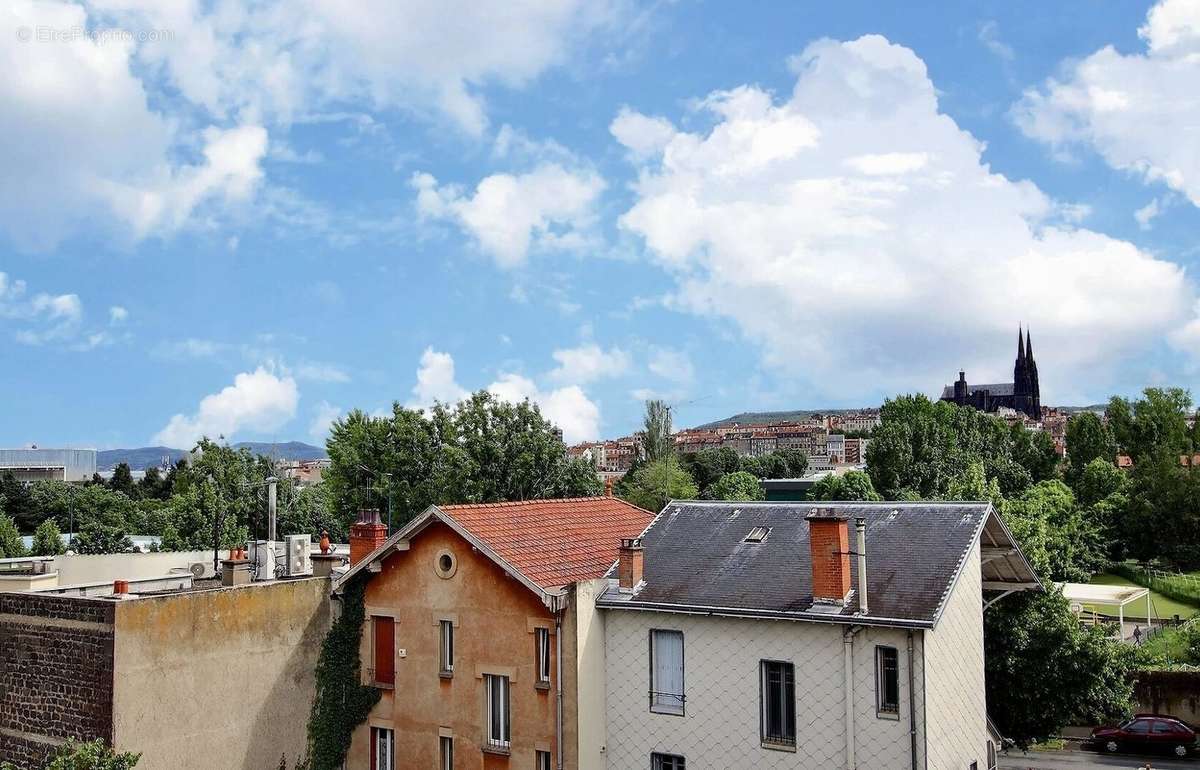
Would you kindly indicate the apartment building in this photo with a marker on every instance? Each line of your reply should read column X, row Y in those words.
column 479, row 634
column 797, row 635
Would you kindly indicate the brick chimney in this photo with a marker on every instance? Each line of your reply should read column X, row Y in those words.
column 366, row 534
column 629, row 563
column 829, row 545
column 608, row 487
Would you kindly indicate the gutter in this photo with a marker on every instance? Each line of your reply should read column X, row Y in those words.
column 739, row 612
column 558, row 689
column 848, row 658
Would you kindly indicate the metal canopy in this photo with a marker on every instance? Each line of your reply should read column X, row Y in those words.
column 1091, row 593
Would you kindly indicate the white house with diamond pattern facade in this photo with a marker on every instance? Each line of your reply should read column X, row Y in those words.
column 709, row 665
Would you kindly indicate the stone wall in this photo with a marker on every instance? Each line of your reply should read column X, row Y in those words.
column 1169, row 692
column 56, row 674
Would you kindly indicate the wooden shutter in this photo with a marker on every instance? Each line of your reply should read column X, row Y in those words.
column 385, row 649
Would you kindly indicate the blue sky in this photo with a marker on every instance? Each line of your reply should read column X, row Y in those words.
column 247, row 220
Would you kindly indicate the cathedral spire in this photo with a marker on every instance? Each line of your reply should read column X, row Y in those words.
column 1020, row 344
column 1028, row 346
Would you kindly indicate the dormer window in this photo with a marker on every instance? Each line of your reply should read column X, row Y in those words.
column 757, row 535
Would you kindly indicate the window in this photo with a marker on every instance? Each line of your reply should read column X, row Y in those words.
column 1162, row 728
column 383, row 643
column 778, row 699
column 498, row 735
column 383, row 749
column 666, row 672
column 666, row 762
column 1139, row 726
column 991, row 755
column 447, row 753
column 757, row 535
column 887, row 681
column 542, row 635
column 543, row 760
column 446, row 656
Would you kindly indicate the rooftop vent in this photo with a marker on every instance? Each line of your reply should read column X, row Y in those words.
column 757, row 535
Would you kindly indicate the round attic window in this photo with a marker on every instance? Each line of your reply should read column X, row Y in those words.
column 445, row 565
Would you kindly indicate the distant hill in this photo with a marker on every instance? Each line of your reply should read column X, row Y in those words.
column 762, row 418
column 151, row 456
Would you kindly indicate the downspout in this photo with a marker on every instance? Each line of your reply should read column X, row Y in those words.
column 848, row 655
column 558, row 689
column 912, row 703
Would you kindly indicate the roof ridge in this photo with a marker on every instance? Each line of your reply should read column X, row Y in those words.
column 532, row 500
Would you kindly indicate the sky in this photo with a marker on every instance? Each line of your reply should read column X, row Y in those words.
column 244, row 220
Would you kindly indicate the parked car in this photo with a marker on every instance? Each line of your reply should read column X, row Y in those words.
column 1147, row 733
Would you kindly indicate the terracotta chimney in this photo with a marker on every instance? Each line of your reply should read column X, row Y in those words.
column 829, row 545
column 120, row 587
column 629, row 564
column 367, row 534
column 608, row 487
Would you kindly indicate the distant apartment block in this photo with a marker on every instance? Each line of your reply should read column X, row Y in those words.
column 610, row 457
column 48, row 464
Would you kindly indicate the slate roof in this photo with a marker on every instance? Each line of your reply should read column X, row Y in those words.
column 554, row 542
column 996, row 389
column 696, row 558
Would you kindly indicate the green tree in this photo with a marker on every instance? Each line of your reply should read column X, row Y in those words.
column 1088, row 439
column 11, row 546
column 1059, row 541
column 1162, row 519
column 708, row 465
column 657, row 483
column 850, row 486
column 657, row 430
column 47, row 540
column 122, row 480
column 1044, row 670
column 18, row 503
column 739, row 485
column 1155, row 424
column 93, row 755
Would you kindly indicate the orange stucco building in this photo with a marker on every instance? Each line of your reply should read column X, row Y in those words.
column 475, row 617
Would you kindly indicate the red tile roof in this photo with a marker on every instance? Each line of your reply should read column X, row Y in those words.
column 554, row 542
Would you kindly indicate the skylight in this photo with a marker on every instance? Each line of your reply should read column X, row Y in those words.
column 757, row 535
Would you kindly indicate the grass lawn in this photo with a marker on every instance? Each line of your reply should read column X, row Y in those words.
column 1163, row 607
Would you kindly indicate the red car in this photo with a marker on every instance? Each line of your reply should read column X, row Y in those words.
column 1147, row 733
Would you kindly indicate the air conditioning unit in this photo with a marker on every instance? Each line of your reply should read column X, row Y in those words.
column 298, row 558
column 201, row 570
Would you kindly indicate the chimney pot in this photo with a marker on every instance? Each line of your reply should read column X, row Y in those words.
column 608, row 487
column 120, row 587
column 630, row 563
column 829, row 549
column 367, row 534
column 860, row 530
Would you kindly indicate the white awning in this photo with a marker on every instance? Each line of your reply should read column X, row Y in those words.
column 1092, row 593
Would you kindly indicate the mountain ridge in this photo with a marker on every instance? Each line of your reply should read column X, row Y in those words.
column 140, row 458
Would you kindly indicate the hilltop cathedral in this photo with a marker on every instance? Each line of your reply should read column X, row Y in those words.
column 1022, row 394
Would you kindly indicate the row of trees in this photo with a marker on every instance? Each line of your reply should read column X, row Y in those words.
column 220, row 493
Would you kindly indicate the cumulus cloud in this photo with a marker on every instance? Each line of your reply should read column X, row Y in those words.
column 326, row 413
column 589, row 362
column 258, row 401
column 435, row 381
column 547, row 208
column 673, row 365
column 117, row 315
column 81, row 138
column 42, row 317
column 1139, row 111
column 856, row 234
column 567, row 407
column 640, row 134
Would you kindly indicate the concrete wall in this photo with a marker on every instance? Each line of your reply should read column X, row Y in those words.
column 55, row 674
column 94, row 568
column 220, row 678
column 955, row 700
column 1169, row 692
column 591, row 715
column 495, row 616
column 720, row 727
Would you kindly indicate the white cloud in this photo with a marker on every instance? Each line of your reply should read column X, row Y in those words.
column 44, row 318
column 1138, row 111
column 780, row 220
column 1146, row 214
column 989, row 35
column 319, row 372
column 283, row 58
column 256, row 401
column 548, row 208
column 569, row 408
column 642, row 135
column 117, row 315
column 81, row 139
column 673, row 365
column 589, row 362
column 326, row 413
column 435, row 381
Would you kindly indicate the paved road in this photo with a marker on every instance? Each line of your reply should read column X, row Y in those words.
column 1083, row 760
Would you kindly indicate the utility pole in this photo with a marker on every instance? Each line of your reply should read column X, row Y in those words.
column 272, row 483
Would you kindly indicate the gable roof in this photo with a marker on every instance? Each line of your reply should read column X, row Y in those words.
column 546, row 544
column 696, row 559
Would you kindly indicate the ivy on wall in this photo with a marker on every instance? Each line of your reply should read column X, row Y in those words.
column 342, row 703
